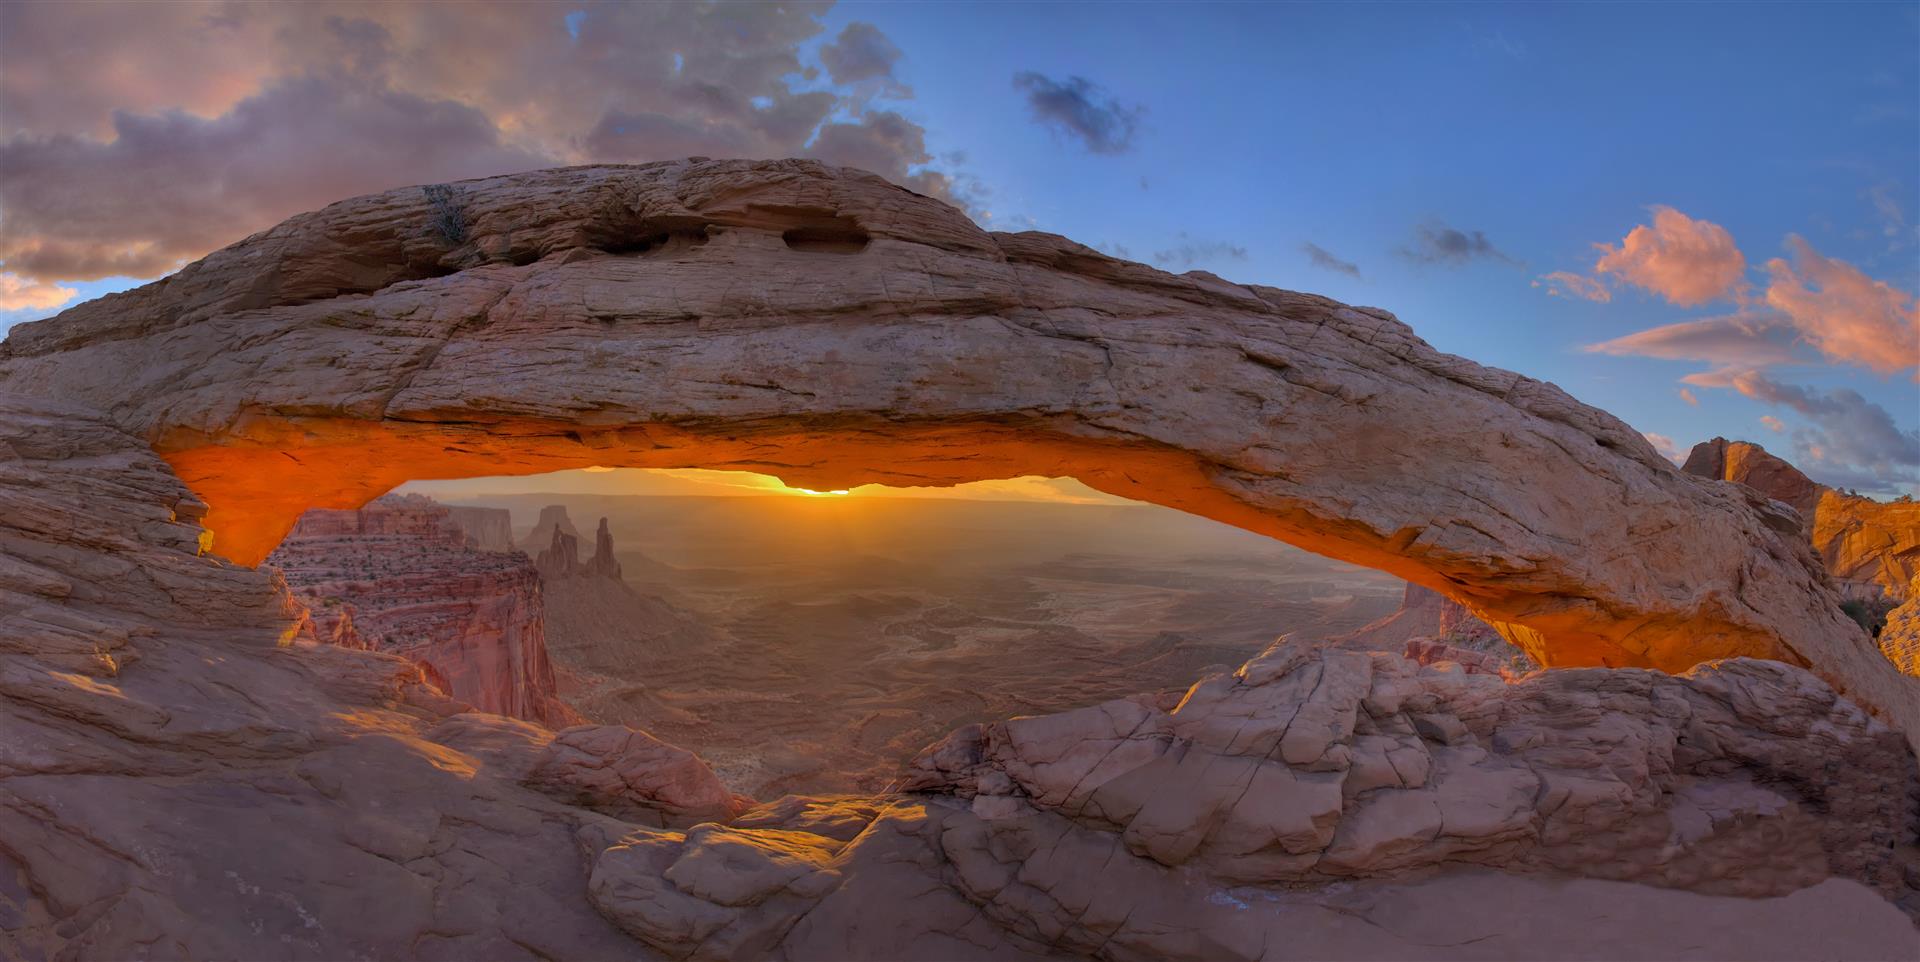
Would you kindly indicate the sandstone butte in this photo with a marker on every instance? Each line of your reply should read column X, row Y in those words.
column 404, row 575
column 183, row 776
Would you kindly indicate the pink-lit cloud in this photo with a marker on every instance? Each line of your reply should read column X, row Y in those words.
column 127, row 155
column 1745, row 340
column 1844, row 314
column 1687, row 395
column 1773, row 424
column 1569, row 284
column 1686, row 261
column 19, row 294
column 1847, row 440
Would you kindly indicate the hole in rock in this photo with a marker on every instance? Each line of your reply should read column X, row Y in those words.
column 808, row 641
column 827, row 239
column 658, row 242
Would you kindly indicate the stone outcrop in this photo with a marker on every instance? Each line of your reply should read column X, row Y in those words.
column 1135, row 830
column 488, row 529
column 1900, row 636
column 603, row 564
column 559, row 559
column 1311, row 764
column 1872, row 548
column 182, row 776
column 834, row 328
column 1751, row 465
column 620, row 771
column 401, row 576
column 553, row 519
column 1874, row 545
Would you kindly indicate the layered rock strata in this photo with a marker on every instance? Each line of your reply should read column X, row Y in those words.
column 181, row 776
column 837, row 329
column 1219, row 827
column 400, row 576
column 1872, row 548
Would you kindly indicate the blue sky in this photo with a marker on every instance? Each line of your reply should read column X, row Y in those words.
column 1547, row 129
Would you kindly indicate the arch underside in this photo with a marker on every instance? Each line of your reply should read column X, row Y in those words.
column 691, row 315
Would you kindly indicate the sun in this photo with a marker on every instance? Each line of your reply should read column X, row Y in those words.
column 809, row 492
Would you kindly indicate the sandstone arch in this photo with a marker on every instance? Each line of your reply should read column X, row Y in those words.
column 828, row 327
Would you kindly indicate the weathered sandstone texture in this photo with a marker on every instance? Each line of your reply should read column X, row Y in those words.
column 833, row 328
column 182, row 777
column 1135, row 830
column 1872, row 548
column 1751, row 465
column 1310, row 764
column 400, row 576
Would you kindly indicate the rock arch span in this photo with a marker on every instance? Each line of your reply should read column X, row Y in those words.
column 825, row 326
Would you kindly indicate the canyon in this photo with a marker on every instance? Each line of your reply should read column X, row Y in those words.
column 191, row 768
column 735, row 627
column 402, row 575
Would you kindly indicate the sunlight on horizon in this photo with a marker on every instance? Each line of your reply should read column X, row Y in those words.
column 706, row 482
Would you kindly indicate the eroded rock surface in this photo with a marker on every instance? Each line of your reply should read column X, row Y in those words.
column 1314, row 763
column 1871, row 547
column 401, row 576
column 1316, row 804
column 182, row 775
column 181, row 778
column 841, row 329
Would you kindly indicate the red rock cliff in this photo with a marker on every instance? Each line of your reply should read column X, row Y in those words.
column 401, row 576
column 1871, row 547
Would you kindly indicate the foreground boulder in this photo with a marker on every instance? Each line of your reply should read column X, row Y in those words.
column 746, row 314
column 1314, row 764
column 1314, row 786
column 182, row 777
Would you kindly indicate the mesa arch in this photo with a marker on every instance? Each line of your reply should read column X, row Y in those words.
column 825, row 326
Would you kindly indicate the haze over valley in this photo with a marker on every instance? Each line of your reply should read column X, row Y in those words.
column 815, row 644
